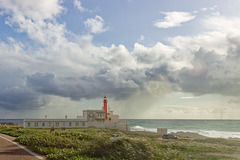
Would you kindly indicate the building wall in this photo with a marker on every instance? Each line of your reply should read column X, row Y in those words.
column 94, row 115
column 42, row 123
column 123, row 125
column 90, row 118
column 54, row 123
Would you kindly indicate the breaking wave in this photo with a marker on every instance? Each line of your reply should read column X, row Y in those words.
column 210, row 133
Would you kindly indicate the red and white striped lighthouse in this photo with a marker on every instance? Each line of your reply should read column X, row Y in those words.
column 105, row 106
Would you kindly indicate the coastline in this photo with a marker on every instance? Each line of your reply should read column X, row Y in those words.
column 187, row 134
column 179, row 134
column 210, row 133
column 93, row 144
column 214, row 128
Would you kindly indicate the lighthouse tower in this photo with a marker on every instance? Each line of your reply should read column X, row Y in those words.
column 105, row 106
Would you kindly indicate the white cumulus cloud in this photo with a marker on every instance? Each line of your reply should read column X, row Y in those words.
column 95, row 25
column 36, row 18
column 35, row 10
column 173, row 19
column 78, row 4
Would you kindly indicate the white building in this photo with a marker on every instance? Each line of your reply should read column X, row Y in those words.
column 91, row 118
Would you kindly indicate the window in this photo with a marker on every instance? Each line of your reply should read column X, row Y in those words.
column 36, row 124
column 50, row 124
column 28, row 124
column 83, row 123
column 70, row 124
column 90, row 115
column 57, row 124
column 101, row 114
column 64, row 123
column 43, row 124
column 76, row 123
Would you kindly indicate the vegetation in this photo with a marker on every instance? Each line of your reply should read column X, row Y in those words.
column 93, row 144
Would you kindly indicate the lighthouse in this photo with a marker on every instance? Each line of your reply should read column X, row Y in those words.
column 105, row 106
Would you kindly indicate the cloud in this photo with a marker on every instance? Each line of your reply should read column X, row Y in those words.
column 208, row 60
column 209, row 8
column 173, row 19
column 141, row 38
column 14, row 94
column 159, row 87
column 190, row 97
column 35, row 10
column 75, row 68
column 215, row 23
column 78, row 5
column 213, row 70
column 36, row 18
column 95, row 25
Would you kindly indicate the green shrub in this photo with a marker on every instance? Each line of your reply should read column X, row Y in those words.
column 15, row 132
column 46, row 140
column 74, row 135
column 123, row 148
column 93, row 144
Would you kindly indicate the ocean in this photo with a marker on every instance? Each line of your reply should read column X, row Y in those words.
column 209, row 128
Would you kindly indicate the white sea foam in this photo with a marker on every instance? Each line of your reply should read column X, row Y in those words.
column 137, row 128
column 140, row 128
column 220, row 134
column 210, row 133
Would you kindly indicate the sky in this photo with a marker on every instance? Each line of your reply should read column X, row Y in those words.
column 153, row 59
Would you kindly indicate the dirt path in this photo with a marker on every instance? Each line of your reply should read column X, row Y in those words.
column 10, row 150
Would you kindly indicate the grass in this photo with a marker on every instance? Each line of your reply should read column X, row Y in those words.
column 93, row 144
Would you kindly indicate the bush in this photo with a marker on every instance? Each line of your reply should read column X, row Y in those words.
column 93, row 144
column 46, row 140
column 122, row 148
column 74, row 135
column 16, row 131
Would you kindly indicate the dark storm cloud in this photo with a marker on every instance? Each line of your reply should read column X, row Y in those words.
column 15, row 95
column 163, row 71
column 211, row 74
column 205, row 84
column 77, row 88
column 49, row 84
column 21, row 98
column 234, row 48
column 43, row 83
